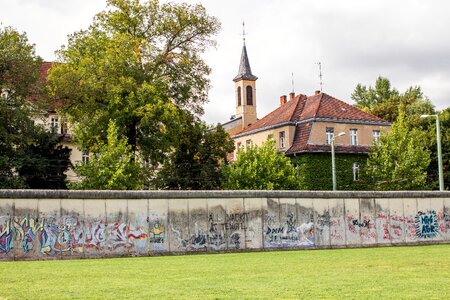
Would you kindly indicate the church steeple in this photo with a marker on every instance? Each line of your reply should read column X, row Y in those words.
column 245, row 83
column 245, row 71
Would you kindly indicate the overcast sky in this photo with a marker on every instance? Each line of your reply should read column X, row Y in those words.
column 356, row 41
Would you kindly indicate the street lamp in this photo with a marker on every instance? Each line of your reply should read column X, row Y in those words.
column 439, row 152
column 333, row 163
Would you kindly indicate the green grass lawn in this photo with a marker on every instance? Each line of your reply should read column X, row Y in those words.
column 392, row 272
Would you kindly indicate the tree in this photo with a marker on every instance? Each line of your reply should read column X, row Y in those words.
column 138, row 64
column 196, row 160
column 261, row 168
column 112, row 168
column 428, row 126
column 27, row 153
column 45, row 162
column 385, row 102
column 400, row 161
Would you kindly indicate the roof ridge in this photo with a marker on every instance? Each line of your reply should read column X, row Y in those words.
column 298, row 99
column 320, row 103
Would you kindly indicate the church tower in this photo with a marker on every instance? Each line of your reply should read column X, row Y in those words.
column 245, row 90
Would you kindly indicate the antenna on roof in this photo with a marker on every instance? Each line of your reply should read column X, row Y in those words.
column 320, row 74
column 292, row 82
column 243, row 31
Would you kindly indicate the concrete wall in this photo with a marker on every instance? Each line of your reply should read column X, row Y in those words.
column 76, row 224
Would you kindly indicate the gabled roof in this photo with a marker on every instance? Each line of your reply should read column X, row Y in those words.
column 245, row 72
column 317, row 107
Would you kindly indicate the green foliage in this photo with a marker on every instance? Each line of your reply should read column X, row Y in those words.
column 401, row 159
column 386, row 102
column 315, row 171
column 112, row 168
column 195, row 161
column 138, row 64
column 260, row 168
column 428, row 126
column 29, row 157
column 45, row 162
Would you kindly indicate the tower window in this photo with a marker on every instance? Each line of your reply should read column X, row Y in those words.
column 249, row 95
column 239, row 97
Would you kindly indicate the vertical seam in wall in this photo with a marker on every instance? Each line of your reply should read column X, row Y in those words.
column 345, row 223
column 60, row 219
column 169, row 232
column 246, row 223
column 11, row 223
column 263, row 220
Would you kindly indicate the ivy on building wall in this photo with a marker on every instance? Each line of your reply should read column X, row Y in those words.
column 315, row 171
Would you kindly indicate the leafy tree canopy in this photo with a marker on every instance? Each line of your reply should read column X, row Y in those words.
column 29, row 157
column 384, row 101
column 261, row 168
column 140, row 65
column 400, row 161
column 195, row 162
column 112, row 168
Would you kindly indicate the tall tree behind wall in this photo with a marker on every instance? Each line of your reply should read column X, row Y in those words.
column 29, row 156
column 139, row 64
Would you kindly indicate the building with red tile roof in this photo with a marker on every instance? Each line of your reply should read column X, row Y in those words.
column 303, row 125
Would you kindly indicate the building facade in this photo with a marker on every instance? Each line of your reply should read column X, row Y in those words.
column 304, row 127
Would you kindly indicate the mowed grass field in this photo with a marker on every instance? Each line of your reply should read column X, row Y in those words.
column 371, row 273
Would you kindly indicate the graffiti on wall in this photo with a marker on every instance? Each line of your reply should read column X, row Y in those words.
column 289, row 233
column 6, row 234
column 426, row 224
column 24, row 236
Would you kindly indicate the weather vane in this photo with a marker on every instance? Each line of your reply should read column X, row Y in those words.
column 243, row 31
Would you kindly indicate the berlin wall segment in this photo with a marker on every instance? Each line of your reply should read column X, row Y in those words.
column 37, row 225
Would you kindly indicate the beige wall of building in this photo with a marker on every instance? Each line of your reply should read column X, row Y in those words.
column 259, row 138
column 364, row 133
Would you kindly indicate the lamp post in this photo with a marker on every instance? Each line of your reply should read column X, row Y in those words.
column 439, row 151
column 333, row 163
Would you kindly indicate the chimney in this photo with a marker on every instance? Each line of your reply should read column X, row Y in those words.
column 317, row 92
column 291, row 96
column 283, row 100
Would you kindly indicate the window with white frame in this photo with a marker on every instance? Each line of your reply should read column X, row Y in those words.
column 238, row 146
column 330, row 134
column 376, row 136
column 85, row 157
column 282, row 140
column 54, row 123
column 355, row 171
column 353, row 137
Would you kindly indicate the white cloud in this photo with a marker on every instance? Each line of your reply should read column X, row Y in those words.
column 356, row 41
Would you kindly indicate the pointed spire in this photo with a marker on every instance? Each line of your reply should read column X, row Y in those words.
column 245, row 72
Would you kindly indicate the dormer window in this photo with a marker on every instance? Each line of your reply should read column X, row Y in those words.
column 249, row 95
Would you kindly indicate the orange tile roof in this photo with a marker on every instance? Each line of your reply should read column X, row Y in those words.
column 302, row 111
column 318, row 106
